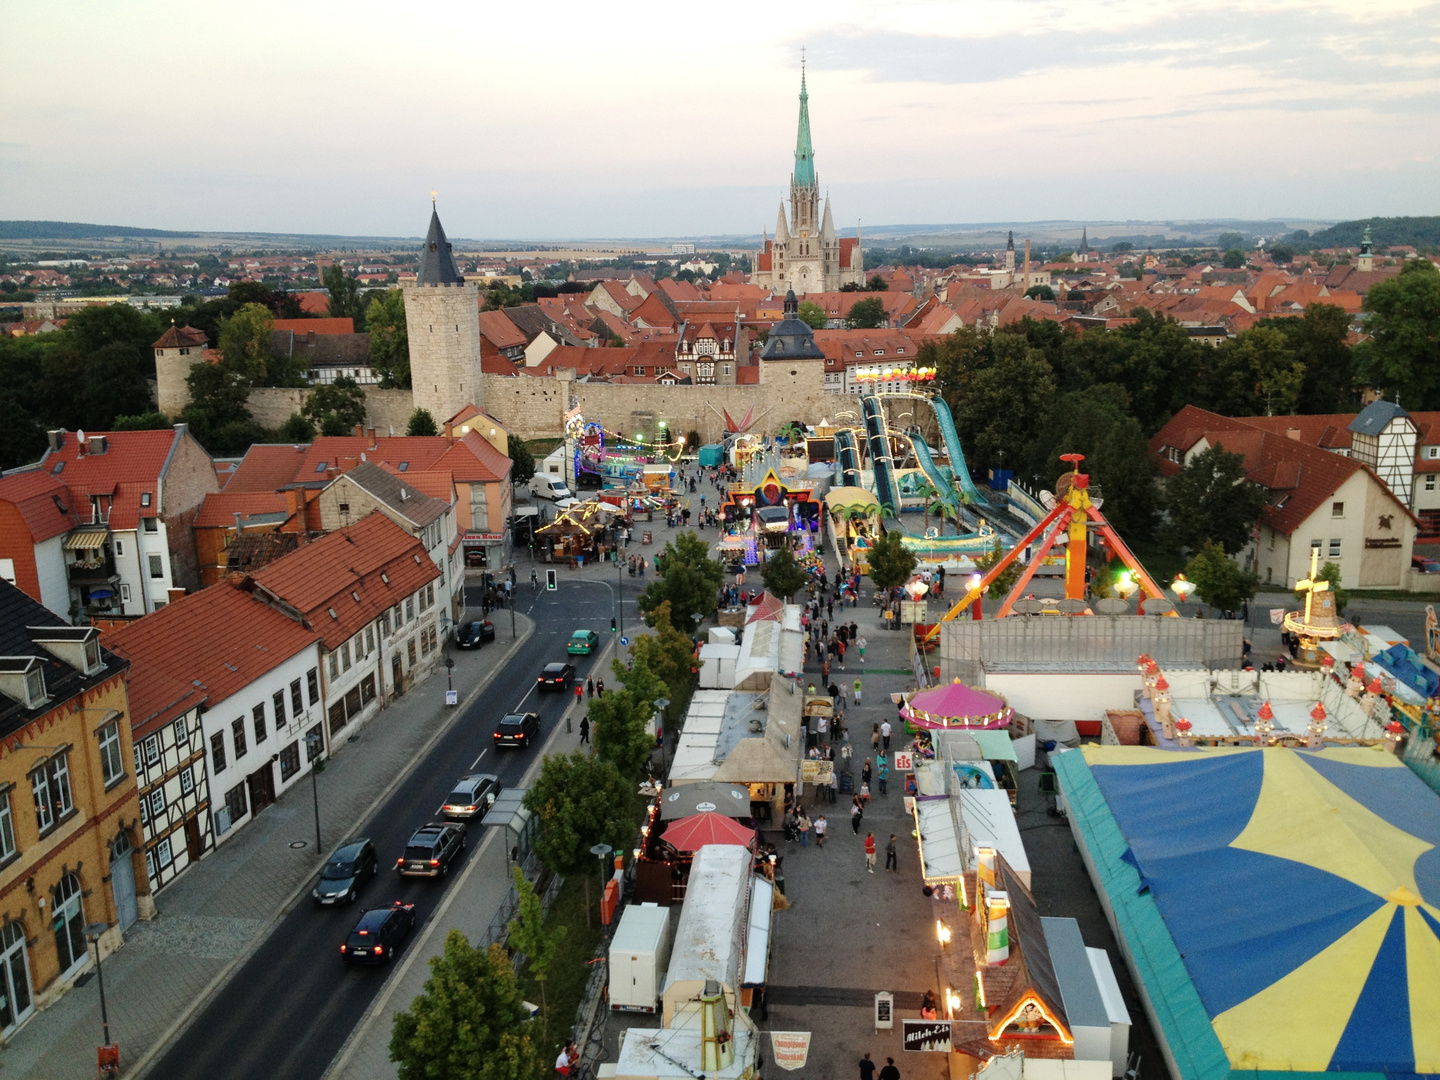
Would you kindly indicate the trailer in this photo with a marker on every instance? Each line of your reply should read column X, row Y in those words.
column 639, row 953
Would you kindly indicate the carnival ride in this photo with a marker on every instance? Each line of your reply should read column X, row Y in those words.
column 1067, row 524
column 951, row 488
column 603, row 456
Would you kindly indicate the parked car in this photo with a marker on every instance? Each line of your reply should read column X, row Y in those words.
column 353, row 864
column 583, row 643
column 556, row 676
column 1425, row 564
column 377, row 936
column 470, row 635
column 431, row 850
column 473, row 794
column 517, row 729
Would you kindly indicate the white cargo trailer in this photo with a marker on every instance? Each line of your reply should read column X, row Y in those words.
column 639, row 952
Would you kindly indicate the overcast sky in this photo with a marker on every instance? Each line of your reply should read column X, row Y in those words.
column 554, row 120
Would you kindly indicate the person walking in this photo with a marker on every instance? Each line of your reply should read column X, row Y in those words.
column 856, row 686
column 590, row 687
column 599, row 687
column 867, row 1067
column 865, row 773
column 875, row 739
column 870, row 852
column 579, row 693
column 803, row 824
column 882, row 773
column 889, row 1072
column 857, row 812
column 821, row 825
column 840, row 652
column 585, row 728
column 885, row 730
column 892, row 863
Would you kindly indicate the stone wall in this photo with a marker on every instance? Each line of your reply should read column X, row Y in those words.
column 271, row 406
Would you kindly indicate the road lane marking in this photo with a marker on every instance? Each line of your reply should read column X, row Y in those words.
column 477, row 760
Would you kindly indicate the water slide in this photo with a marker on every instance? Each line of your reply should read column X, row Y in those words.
column 849, row 456
column 949, row 497
column 957, row 456
column 880, row 461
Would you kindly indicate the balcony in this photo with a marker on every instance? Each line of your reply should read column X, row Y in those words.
column 93, row 573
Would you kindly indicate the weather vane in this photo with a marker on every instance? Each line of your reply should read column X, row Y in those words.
column 433, row 196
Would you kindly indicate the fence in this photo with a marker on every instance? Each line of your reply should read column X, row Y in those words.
column 1023, row 504
column 1091, row 643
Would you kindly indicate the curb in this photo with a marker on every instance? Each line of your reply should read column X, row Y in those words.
column 392, row 983
column 181, row 1022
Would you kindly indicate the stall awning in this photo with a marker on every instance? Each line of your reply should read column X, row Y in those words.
column 995, row 745
column 757, row 948
column 86, row 539
column 940, row 855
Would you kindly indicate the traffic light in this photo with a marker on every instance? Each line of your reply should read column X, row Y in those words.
column 612, row 624
column 550, row 583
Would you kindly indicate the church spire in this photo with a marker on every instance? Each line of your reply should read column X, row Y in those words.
column 804, row 152
column 437, row 263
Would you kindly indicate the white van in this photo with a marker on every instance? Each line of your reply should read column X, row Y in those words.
column 549, row 487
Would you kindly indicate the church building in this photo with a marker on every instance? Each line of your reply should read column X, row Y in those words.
column 805, row 254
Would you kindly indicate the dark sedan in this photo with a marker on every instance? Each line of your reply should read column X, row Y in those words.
column 556, row 676
column 517, row 729
column 377, row 936
column 351, row 866
column 472, row 635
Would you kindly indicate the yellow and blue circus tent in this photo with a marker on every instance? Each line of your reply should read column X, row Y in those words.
column 1279, row 908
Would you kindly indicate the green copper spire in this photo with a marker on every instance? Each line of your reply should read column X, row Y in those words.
column 804, row 152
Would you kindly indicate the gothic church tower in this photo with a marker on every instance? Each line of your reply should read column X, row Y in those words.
column 442, row 316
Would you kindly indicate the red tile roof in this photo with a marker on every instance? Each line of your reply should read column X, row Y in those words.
column 267, row 467
column 313, row 303
column 131, row 465
column 157, row 697
column 344, row 580
column 219, row 508
column 217, row 641
column 317, row 326
column 496, row 327
column 43, row 501
column 472, row 460
column 178, row 337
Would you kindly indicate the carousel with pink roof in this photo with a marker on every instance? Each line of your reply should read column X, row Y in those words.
column 956, row 707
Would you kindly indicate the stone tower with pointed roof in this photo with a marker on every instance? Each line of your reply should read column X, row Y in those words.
column 442, row 316
column 806, row 255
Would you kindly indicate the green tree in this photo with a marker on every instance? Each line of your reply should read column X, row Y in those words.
column 579, row 801
column 146, row 421
column 1252, row 374
column 1005, row 580
column 670, row 655
column 468, row 1023
column 1040, row 292
column 891, row 562
column 245, row 342
column 296, row 429
column 1218, row 579
column 389, row 339
column 1402, row 357
column 782, row 574
column 1282, row 254
column 618, row 718
column 866, row 314
column 689, row 579
column 421, row 423
column 336, row 408
column 218, row 413
column 1230, row 240
column 522, row 461
column 1005, row 399
column 528, row 934
column 1233, row 259
column 813, row 315
column 1318, row 342
column 877, row 284
column 1210, row 499
column 344, row 292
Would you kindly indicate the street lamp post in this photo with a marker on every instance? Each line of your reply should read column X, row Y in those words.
column 92, row 935
column 449, row 673
column 619, row 584
column 314, row 745
column 600, row 851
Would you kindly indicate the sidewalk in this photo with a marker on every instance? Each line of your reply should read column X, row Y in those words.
column 469, row 906
column 212, row 917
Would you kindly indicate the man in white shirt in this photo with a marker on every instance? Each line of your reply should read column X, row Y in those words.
column 885, row 730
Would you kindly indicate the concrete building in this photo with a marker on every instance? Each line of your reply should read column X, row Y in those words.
column 442, row 314
column 68, row 805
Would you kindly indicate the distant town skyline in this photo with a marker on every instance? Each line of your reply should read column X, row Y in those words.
column 589, row 122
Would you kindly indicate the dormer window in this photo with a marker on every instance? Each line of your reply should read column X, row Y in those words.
column 22, row 679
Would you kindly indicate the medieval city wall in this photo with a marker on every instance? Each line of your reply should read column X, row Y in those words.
column 271, row 406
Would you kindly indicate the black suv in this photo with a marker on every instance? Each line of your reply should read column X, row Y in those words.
column 558, row 676
column 377, row 936
column 351, row 866
column 472, row 635
column 431, row 850
column 517, row 729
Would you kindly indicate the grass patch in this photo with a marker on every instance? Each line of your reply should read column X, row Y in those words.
column 570, row 970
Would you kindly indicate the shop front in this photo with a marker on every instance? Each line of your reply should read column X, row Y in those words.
column 483, row 549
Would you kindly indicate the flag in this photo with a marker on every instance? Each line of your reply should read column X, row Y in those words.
column 1277, row 616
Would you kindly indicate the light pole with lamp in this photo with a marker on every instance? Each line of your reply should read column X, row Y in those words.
column 600, row 851
column 93, row 933
column 315, row 748
column 661, row 704
column 450, row 674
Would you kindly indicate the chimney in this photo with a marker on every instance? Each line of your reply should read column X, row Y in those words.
column 449, row 432
column 1026, row 280
column 293, row 506
column 1293, row 433
column 238, row 517
column 57, row 439
column 373, row 442
column 98, row 444
column 171, row 595
column 359, row 431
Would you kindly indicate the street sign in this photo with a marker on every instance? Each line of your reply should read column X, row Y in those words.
column 926, row 1036
column 452, row 697
column 884, row 1010
column 904, row 760
column 624, row 640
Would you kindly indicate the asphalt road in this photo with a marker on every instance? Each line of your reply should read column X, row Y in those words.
column 288, row 1009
